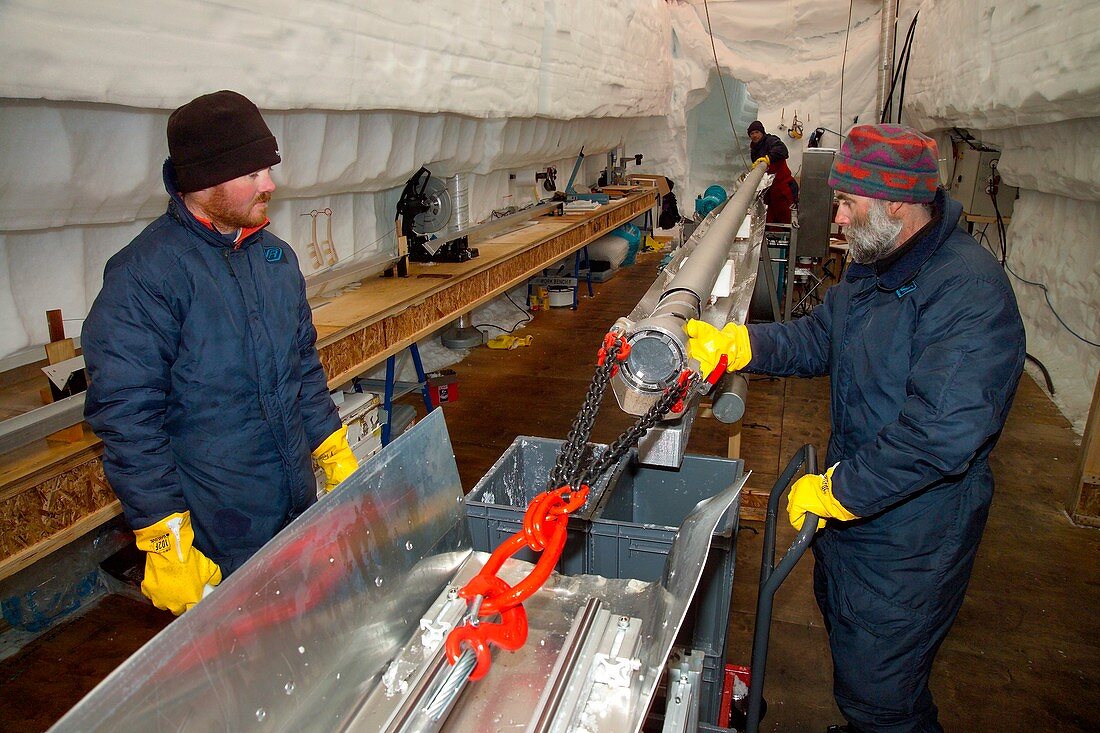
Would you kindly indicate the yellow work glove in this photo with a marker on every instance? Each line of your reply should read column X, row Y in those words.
column 335, row 458
column 814, row 493
column 762, row 159
column 504, row 341
column 707, row 345
column 177, row 575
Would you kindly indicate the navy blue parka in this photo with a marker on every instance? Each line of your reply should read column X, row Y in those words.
column 924, row 359
column 204, row 382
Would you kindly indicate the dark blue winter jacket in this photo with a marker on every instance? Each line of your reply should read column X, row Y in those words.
column 924, row 359
column 204, row 382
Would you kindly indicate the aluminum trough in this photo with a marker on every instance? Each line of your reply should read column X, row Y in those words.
column 299, row 637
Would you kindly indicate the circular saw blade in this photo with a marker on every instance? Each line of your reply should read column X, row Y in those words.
column 438, row 200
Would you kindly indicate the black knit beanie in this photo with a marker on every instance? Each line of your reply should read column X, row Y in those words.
column 758, row 126
column 216, row 138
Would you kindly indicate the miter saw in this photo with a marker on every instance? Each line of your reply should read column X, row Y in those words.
column 424, row 209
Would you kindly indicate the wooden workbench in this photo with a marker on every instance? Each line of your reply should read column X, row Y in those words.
column 360, row 328
column 51, row 493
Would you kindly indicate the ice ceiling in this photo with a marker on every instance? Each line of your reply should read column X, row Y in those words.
column 361, row 94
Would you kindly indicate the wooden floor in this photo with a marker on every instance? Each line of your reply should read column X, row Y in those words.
column 1024, row 654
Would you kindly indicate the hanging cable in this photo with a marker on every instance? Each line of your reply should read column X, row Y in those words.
column 906, row 47
column 722, row 81
column 843, row 63
column 1002, row 235
column 905, row 74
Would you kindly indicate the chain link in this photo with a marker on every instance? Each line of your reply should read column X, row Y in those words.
column 567, row 469
column 634, row 433
column 545, row 523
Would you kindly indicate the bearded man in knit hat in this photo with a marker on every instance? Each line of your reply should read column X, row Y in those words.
column 204, row 380
column 924, row 347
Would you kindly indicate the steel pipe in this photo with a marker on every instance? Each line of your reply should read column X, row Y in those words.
column 658, row 344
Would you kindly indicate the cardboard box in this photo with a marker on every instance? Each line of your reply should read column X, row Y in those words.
column 650, row 180
column 443, row 387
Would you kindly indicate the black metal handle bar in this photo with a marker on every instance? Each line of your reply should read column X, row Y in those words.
column 772, row 576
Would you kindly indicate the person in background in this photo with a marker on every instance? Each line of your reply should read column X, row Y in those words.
column 784, row 190
column 670, row 212
column 924, row 347
column 204, row 380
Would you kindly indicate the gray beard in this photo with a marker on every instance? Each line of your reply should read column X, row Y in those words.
column 874, row 239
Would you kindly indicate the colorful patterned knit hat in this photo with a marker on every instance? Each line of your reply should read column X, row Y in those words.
column 888, row 162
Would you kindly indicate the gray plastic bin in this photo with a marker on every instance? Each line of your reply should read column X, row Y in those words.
column 625, row 530
column 495, row 506
column 633, row 529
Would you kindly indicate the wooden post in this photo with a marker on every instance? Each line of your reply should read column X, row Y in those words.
column 1084, row 499
column 733, row 447
column 60, row 349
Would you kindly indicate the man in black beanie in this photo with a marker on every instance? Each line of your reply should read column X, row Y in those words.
column 204, row 380
column 784, row 191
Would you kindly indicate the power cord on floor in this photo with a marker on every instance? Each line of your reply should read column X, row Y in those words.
column 526, row 318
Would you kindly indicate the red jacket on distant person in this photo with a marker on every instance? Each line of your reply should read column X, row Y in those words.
column 784, row 191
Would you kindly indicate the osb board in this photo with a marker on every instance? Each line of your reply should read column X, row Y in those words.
column 41, row 460
column 34, row 514
column 754, row 504
column 380, row 297
column 1084, row 499
column 343, row 356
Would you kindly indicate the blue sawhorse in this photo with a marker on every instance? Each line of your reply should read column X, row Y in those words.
column 577, row 274
column 561, row 278
column 388, row 393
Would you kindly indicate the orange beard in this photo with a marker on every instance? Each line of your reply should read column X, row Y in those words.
column 224, row 213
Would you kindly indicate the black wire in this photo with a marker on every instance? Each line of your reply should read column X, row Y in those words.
column 1046, row 374
column 1002, row 234
column 905, row 49
column 526, row 319
column 843, row 62
column 1046, row 294
column 905, row 72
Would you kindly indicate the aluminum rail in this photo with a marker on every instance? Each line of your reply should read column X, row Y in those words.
column 564, row 668
column 15, row 432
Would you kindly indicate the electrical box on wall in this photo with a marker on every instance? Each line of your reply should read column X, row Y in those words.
column 975, row 168
column 815, row 203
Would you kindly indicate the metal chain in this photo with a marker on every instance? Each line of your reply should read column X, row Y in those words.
column 634, row 433
column 567, row 468
column 549, row 512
